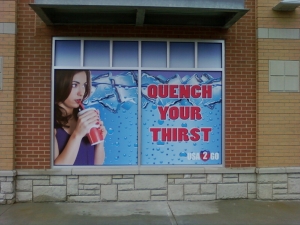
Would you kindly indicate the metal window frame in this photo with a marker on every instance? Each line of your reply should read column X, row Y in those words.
column 139, row 168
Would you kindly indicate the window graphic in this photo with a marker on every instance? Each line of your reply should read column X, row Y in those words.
column 165, row 111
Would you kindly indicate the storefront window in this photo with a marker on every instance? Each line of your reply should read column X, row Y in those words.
column 150, row 113
column 125, row 54
column 182, row 55
column 96, row 53
column 67, row 53
column 154, row 54
column 209, row 55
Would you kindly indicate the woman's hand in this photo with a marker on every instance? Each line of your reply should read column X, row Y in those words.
column 102, row 128
column 99, row 151
column 86, row 121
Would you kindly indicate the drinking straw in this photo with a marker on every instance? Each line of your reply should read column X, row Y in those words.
column 81, row 105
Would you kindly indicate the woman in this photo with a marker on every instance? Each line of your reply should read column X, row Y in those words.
column 71, row 146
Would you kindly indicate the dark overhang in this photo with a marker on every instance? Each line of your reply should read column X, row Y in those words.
column 204, row 13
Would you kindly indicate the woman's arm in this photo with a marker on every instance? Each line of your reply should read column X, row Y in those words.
column 99, row 154
column 99, row 151
column 69, row 153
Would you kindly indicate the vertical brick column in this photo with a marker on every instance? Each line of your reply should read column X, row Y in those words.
column 8, row 54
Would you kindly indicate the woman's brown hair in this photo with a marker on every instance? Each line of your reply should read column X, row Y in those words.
column 62, row 88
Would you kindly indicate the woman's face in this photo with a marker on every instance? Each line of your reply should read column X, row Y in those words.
column 79, row 84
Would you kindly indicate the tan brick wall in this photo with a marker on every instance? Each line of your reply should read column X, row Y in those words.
column 267, row 18
column 7, row 51
column 278, row 131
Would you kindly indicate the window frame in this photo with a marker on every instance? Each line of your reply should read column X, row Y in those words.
column 140, row 167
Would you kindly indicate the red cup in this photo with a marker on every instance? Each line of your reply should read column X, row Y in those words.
column 95, row 134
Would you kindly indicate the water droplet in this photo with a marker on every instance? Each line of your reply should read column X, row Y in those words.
column 160, row 143
column 110, row 131
column 184, row 124
column 183, row 154
column 160, row 122
column 117, row 143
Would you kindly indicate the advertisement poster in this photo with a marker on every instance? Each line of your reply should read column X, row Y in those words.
column 114, row 94
column 181, row 118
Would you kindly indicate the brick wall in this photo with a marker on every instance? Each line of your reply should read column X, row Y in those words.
column 278, row 113
column 7, row 52
column 34, row 76
column 266, row 17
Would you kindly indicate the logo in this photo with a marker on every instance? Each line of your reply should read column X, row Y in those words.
column 204, row 155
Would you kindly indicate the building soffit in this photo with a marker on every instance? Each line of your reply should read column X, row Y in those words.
column 203, row 13
column 287, row 5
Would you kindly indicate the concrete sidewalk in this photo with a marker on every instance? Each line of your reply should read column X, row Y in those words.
column 203, row 212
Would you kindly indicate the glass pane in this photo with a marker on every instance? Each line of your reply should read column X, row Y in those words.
column 209, row 55
column 125, row 53
column 276, row 83
column 291, row 83
column 96, row 53
column 154, row 54
column 114, row 94
column 182, row 55
column 67, row 53
column 181, row 121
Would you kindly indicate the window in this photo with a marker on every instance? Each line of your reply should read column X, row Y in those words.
column 160, row 100
column 284, row 76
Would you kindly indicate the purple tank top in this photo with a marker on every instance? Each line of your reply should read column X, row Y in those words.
column 86, row 153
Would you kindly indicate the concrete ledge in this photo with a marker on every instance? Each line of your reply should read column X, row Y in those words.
column 192, row 170
column 170, row 170
column 230, row 170
column 105, row 170
column 142, row 170
column 8, row 173
column 293, row 169
column 58, row 172
column 150, row 170
column 278, row 170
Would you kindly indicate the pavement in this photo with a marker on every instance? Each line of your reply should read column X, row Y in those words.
column 231, row 212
